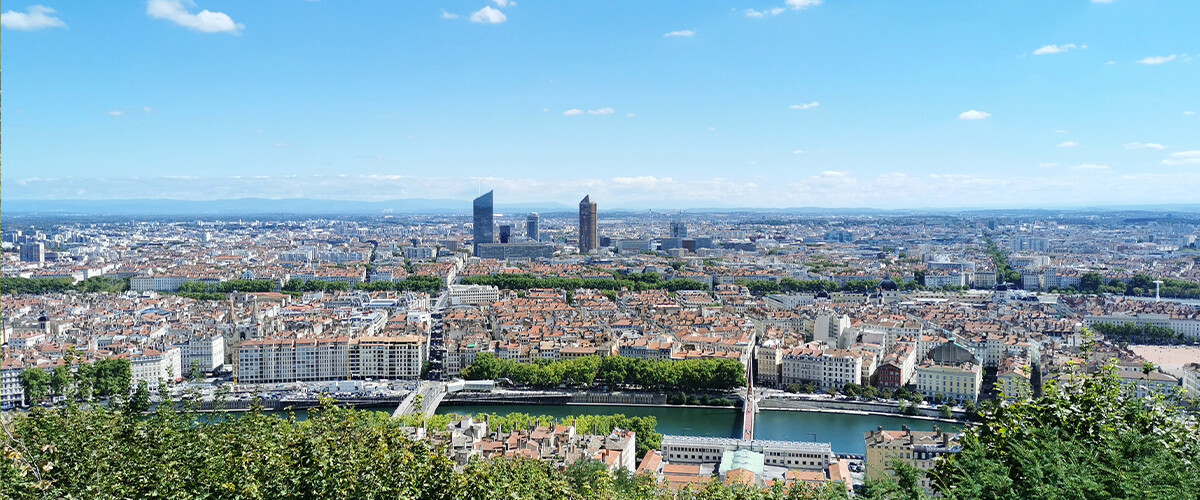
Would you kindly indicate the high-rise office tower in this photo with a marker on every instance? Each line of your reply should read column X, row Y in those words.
column 33, row 252
column 483, row 220
column 589, row 235
column 531, row 226
column 505, row 232
column 678, row 229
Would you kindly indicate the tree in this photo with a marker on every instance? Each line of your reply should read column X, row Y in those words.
column 1087, row 438
column 140, row 402
column 36, row 384
column 1090, row 282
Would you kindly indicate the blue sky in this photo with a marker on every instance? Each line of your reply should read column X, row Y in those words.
column 642, row 104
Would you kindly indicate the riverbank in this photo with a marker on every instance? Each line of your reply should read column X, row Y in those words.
column 859, row 412
column 890, row 408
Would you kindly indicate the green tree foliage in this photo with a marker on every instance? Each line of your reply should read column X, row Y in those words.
column 1091, row 282
column 1091, row 438
column 690, row 375
column 230, row 286
column 36, row 384
column 426, row 284
column 336, row 453
column 315, row 286
column 643, row 281
column 38, row 286
column 1005, row 271
column 1130, row 333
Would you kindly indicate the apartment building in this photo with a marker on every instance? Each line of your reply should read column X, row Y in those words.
column 388, row 357
column 473, row 294
column 11, row 392
column 206, row 353
column 918, row 449
column 154, row 366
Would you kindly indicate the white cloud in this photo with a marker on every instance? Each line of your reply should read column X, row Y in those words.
column 1102, row 1
column 205, row 21
column 488, row 15
column 1183, row 158
column 1048, row 164
column 630, row 115
column 1089, row 166
column 449, row 15
column 803, row 4
column 1057, row 49
column 115, row 112
column 573, row 112
column 758, row 14
column 1189, row 113
column 147, row 109
column 1152, row 60
column 34, row 18
column 1110, row 63
column 810, row 105
column 504, row 3
column 973, row 115
column 1144, row 145
column 681, row 33
column 1068, row 144
column 798, row 152
column 601, row 111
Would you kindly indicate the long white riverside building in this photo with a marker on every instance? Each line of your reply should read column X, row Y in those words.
column 788, row 454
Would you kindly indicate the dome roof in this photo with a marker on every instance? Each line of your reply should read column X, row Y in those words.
column 888, row 285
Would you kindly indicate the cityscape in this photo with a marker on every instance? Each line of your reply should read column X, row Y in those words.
column 417, row 296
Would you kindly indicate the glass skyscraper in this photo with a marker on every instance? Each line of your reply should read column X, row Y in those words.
column 483, row 221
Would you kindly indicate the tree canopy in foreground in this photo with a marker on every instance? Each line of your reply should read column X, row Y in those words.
column 1085, row 439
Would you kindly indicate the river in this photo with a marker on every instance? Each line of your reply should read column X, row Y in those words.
column 844, row 432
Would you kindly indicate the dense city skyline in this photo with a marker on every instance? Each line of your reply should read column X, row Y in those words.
column 803, row 103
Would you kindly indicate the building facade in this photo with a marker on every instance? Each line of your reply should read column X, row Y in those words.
column 589, row 233
column 482, row 229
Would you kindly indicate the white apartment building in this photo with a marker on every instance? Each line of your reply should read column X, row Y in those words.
column 943, row 280
column 1189, row 327
column 829, row 329
column 206, row 353
column 293, row 360
column 418, row 253
column 11, row 392
column 828, row 369
column 1191, row 379
column 473, row 294
column 154, row 366
column 158, row 283
column 388, row 357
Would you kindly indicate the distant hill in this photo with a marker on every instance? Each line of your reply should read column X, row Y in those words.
column 304, row 206
column 252, row 206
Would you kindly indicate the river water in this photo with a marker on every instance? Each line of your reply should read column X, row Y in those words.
column 844, row 432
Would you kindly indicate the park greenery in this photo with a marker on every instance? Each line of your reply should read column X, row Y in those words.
column 614, row 371
column 1130, row 333
column 427, row 284
column 1006, row 273
column 636, row 281
column 82, row 381
column 336, row 453
column 792, row 285
column 38, row 286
